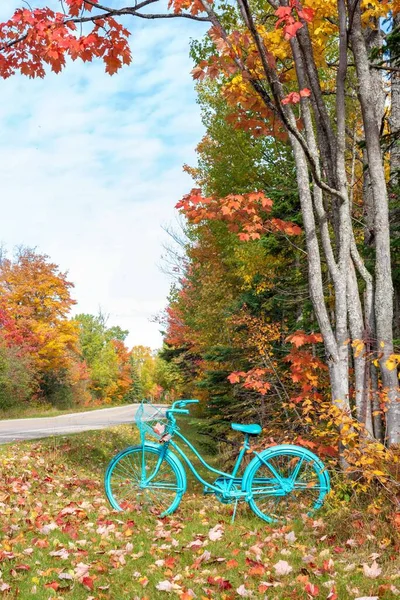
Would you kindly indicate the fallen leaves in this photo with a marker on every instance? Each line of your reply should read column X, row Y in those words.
column 216, row 533
column 66, row 541
column 373, row 571
column 282, row 567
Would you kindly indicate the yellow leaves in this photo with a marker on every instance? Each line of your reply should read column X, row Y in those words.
column 128, row 532
column 374, row 10
column 276, row 44
column 359, row 347
column 392, row 362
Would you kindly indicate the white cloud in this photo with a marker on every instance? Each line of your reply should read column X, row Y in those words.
column 91, row 167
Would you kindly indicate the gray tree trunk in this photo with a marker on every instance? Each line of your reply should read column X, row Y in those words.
column 383, row 273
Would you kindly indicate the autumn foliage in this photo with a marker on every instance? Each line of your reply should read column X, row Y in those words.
column 41, row 352
column 245, row 214
column 283, row 310
column 34, row 39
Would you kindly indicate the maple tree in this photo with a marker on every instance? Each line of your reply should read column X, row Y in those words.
column 36, row 302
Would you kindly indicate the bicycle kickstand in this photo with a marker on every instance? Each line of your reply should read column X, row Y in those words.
column 234, row 511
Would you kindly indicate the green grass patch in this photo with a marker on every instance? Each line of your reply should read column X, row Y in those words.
column 45, row 410
column 60, row 539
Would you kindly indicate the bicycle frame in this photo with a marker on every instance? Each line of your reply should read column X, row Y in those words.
column 230, row 476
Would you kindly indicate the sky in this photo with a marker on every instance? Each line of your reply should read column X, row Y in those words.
column 91, row 169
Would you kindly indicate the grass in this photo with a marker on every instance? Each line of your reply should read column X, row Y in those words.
column 60, row 539
column 33, row 411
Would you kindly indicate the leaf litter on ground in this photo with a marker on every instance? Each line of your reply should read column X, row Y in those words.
column 59, row 538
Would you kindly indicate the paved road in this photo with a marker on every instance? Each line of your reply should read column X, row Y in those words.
column 27, row 429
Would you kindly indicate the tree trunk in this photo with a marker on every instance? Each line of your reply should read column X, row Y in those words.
column 360, row 357
column 383, row 286
column 395, row 171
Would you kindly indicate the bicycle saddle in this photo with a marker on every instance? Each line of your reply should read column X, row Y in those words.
column 252, row 429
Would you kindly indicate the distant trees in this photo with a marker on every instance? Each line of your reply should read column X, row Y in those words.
column 47, row 356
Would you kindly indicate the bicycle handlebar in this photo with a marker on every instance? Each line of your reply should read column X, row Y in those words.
column 183, row 403
column 181, row 411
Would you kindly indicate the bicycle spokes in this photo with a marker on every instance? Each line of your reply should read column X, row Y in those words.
column 144, row 479
column 285, row 485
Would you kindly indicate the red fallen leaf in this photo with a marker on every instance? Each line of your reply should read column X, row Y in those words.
column 332, row 595
column 339, row 550
column 328, row 566
column 312, row 589
column 169, row 562
column 88, row 582
column 54, row 585
column 71, row 531
column 251, row 562
column 223, row 584
column 22, row 568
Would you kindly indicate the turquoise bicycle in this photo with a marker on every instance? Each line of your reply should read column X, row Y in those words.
column 280, row 482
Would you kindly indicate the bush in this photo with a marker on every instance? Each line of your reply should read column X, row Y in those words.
column 16, row 377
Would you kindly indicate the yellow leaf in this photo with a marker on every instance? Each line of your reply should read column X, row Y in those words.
column 382, row 344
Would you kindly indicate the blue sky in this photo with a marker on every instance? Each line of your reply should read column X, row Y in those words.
column 91, row 168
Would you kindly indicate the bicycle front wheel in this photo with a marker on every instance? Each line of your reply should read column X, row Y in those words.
column 285, row 483
column 125, row 481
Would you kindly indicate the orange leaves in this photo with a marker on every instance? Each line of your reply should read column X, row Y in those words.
column 252, row 380
column 300, row 338
column 47, row 38
column 306, row 369
column 245, row 214
column 36, row 302
column 193, row 6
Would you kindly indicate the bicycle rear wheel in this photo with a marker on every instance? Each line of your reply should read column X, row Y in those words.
column 285, row 483
column 125, row 481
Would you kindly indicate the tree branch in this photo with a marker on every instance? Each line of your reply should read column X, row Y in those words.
column 286, row 115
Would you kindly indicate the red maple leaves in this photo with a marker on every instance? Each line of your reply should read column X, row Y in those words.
column 245, row 214
column 287, row 18
column 33, row 39
column 295, row 97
